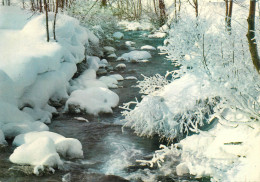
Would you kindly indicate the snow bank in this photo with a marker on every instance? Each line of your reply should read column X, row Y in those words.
column 92, row 100
column 136, row 55
column 13, row 17
column 111, row 82
column 32, row 71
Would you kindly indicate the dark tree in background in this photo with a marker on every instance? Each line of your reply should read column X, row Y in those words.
column 103, row 2
column 162, row 12
column 251, row 35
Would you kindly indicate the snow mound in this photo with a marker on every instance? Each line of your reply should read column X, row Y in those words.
column 109, row 49
column 148, row 47
column 92, row 101
column 40, row 152
column 129, row 43
column 14, row 122
column 118, row 35
column 67, row 147
column 121, row 66
column 93, row 62
column 118, row 77
column 111, row 82
column 136, row 55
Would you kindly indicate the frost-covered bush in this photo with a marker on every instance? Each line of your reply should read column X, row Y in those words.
column 98, row 19
column 216, row 78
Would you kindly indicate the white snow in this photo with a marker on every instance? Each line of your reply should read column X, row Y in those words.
column 130, row 78
column 121, row 65
column 136, row 55
column 94, row 100
column 66, row 147
column 148, row 47
column 118, row 77
column 133, row 25
column 111, row 82
column 93, row 62
column 40, row 152
column 157, row 35
column 129, row 43
column 81, row 119
column 109, row 49
column 118, row 35
column 112, row 55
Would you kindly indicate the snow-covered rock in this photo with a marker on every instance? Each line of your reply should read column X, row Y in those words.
column 157, row 35
column 136, row 55
column 112, row 55
column 129, row 43
column 118, row 35
column 148, row 47
column 109, row 49
column 92, row 100
column 67, row 147
column 111, row 82
column 118, row 77
column 41, row 152
column 130, row 78
column 120, row 66
column 104, row 61
column 182, row 169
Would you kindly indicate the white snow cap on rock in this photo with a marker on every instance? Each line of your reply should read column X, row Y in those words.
column 148, row 47
column 93, row 62
column 118, row 35
column 93, row 100
column 121, row 65
column 129, row 43
column 136, row 55
column 118, row 77
column 40, row 152
column 67, row 147
column 157, row 35
column 111, row 82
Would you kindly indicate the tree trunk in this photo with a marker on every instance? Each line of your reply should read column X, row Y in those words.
column 40, row 6
column 55, row 18
column 229, row 16
column 251, row 35
column 196, row 5
column 162, row 12
column 47, row 21
column 104, row 3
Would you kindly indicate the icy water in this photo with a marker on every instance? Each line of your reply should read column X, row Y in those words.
column 107, row 150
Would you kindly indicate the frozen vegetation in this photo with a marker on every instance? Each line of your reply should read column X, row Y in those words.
column 206, row 101
column 210, row 103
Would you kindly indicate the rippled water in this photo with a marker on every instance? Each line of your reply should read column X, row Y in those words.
column 107, row 150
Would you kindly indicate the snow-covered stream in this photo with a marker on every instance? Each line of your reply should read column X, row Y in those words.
column 107, row 150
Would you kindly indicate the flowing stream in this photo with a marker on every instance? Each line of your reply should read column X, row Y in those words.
column 107, row 150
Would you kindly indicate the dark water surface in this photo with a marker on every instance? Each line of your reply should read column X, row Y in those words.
column 107, row 150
